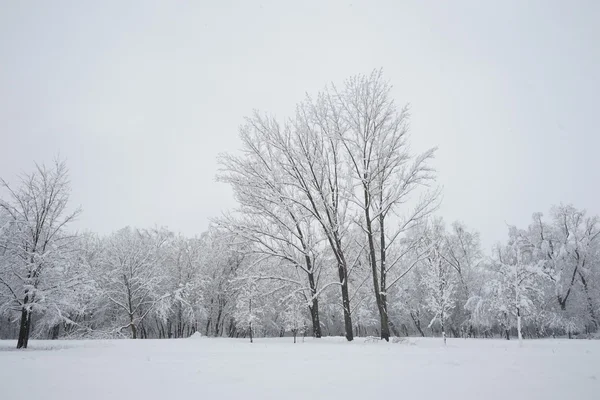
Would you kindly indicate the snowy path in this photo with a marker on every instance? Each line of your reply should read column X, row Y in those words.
column 316, row 369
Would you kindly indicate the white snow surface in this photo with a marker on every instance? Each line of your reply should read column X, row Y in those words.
column 196, row 335
column 327, row 368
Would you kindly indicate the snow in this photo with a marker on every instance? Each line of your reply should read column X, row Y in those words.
column 317, row 369
column 196, row 335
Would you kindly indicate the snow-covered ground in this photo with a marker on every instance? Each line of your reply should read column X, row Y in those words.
column 316, row 369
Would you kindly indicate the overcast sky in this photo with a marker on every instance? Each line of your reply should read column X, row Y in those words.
column 140, row 97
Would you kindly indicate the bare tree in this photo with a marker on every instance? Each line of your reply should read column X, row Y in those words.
column 439, row 282
column 38, row 218
column 274, row 224
column 386, row 174
column 129, row 274
column 314, row 165
column 463, row 253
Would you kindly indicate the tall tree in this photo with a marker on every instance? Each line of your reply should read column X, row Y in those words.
column 374, row 134
column 267, row 217
column 314, row 165
column 34, row 252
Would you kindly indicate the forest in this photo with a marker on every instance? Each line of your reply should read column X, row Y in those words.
column 337, row 232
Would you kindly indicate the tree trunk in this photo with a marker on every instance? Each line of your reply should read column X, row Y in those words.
column 207, row 329
column 314, row 308
column 443, row 329
column 417, row 323
column 343, row 275
column 250, row 314
column 379, row 296
column 232, row 329
column 385, row 323
column 383, row 318
column 23, row 339
column 55, row 331
column 133, row 327
column 314, row 315
column 393, row 328
column 589, row 301
column 519, row 333
column 454, row 332
column 218, row 320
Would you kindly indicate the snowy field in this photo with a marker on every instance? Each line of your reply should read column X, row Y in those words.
column 316, row 369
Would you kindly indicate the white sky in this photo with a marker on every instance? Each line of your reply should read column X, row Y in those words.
column 140, row 97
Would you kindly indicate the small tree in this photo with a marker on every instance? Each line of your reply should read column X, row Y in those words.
column 247, row 310
column 294, row 317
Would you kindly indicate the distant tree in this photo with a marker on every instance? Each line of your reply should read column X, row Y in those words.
column 513, row 287
column 130, row 274
column 568, row 247
column 178, row 315
column 294, row 316
column 463, row 253
column 247, row 309
column 517, row 287
column 439, row 281
column 223, row 263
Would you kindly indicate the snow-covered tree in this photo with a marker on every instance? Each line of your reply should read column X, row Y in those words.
column 386, row 174
column 130, row 275
column 438, row 279
column 247, row 309
column 513, row 288
column 36, row 247
column 271, row 223
column 568, row 248
column 516, row 289
column 179, row 313
column 294, row 318
column 463, row 253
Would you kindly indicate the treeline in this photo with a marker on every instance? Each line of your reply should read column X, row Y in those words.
column 335, row 234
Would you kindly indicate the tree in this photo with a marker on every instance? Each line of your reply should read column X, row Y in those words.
column 566, row 248
column 312, row 174
column 438, row 279
column 223, row 262
column 129, row 274
column 247, row 310
column 316, row 168
column 275, row 226
column 35, row 248
column 517, row 286
column 374, row 135
column 294, row 317
column 178, row 315
column 513, row 287
column 463, row 253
